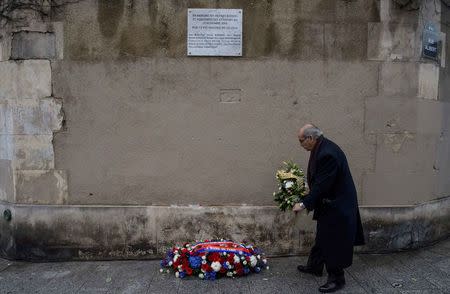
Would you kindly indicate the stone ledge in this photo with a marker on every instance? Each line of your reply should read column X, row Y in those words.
column 58, row 232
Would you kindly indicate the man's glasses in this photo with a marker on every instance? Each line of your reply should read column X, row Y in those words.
column 301, row 140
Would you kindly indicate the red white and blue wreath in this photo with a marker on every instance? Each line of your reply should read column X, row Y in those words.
column 212, row 259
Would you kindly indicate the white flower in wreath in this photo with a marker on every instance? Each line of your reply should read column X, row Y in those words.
column 201, row 276
column 288, row 184
column 177, row 274
column 230, row 274
column 236, row 259
column 264, row 261
column 244, row 262
column 253, row 261
column 170, row 263
column 216, row 266
column 204, row 262
column 204, row 257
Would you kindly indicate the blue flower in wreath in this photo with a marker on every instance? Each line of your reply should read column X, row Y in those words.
column 195, row 261
column 257, row 269
column 210, row 276
column 182, row 275
column 257, row 251
column 169, row 254
column 163, row 263
column 246, row 270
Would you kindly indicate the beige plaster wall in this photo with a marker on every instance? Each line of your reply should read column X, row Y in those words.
column 146, row 125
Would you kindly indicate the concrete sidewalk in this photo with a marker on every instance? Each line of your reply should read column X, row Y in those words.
column 422, row 271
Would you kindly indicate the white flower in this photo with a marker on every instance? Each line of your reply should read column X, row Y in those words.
column 180, row 266
column 267, row 267
column 242, row 257
column 288, row 184
column 244, row 262
column 201, row 276
column 273, row 194
column 204, row 262
column 175, row 257
column 204, row 257
column 167, row 271
column 259, row 256
column 170, row 263
column 236, row 259
column 253, row 261
column 177, row 274
column 230, row 274
column 264, row 261
column 161, row 270
column 216, row 266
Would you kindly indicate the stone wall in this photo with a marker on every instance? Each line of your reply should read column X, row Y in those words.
column 115, row 144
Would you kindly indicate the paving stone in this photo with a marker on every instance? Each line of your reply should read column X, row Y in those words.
column 369, row 279
column 431, row 272
column 26, row 278
column 100, row 278
column 133, row 277
column 69, row 277
column 397, row 274
column 161, row 283
column 422, row 271
column 4, row 264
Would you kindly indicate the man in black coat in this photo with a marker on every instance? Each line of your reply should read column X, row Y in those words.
column 333, row 199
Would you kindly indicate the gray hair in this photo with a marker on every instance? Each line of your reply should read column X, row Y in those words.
column 313, row 132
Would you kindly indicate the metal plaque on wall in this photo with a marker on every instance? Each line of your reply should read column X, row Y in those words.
column 214, row 32
column 430, row 42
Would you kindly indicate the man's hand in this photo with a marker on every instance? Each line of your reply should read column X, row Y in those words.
column 298, row 207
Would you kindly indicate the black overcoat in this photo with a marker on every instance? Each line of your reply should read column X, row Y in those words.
column 333, row 198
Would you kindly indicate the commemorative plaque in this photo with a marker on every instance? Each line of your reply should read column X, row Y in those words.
column 214, row 32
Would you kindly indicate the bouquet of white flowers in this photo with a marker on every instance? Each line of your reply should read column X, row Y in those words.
column 291, row 186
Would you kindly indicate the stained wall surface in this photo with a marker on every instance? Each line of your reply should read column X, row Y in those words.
column 147, row 125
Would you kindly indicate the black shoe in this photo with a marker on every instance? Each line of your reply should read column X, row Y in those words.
column 308, row 270
column 332, row 286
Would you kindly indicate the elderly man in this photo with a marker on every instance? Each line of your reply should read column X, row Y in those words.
column 333, row 199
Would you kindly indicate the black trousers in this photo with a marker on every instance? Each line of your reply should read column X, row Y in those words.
column 317, row 262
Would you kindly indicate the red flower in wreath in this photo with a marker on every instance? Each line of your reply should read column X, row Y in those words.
column 215, row 256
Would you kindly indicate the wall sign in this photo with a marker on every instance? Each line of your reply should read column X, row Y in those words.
column 430, row 42
column 214, row 32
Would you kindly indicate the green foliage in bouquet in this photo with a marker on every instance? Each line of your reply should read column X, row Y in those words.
column 291, row 186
